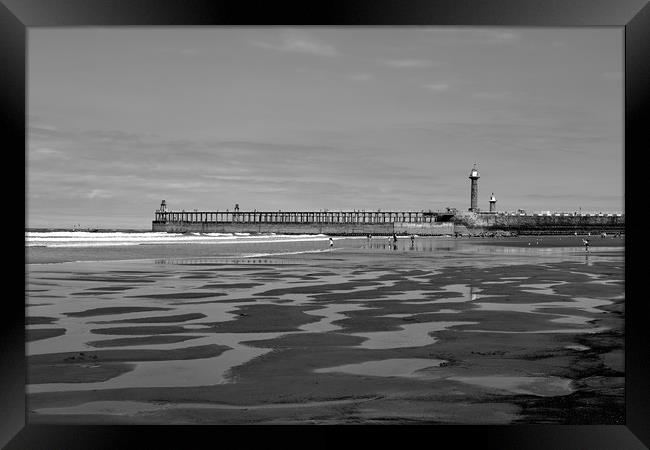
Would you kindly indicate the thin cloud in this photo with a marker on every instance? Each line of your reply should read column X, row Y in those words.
column 46, row 153
column 493, row 95
column 295, row 42
column 409, row 63
column 360, row 77
column 99, row 193
column 180, row 51
column 440, row 87
column 455, row 36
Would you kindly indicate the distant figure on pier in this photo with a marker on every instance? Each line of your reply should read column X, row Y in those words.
column 394, row 237
column 331, row 243
column 412, row 239
column 586, row 242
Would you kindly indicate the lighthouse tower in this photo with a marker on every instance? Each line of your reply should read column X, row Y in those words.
column 493, row 203
column 474, row 176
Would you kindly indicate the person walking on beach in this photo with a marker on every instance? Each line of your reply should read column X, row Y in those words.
column 331, row 243
column 586, row 242
column 394, row 237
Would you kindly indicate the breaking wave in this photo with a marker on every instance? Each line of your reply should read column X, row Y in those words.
column 102, row 239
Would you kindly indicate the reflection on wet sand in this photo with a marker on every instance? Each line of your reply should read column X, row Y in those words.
column 541, row 386
column 192, row 372
column 411, row 335
column 399, row 367
column 131, row 408
column 211, row 371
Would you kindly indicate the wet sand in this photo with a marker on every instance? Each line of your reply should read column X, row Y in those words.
column 467, row 331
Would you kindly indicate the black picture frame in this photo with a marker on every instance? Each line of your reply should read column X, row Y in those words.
column 633, row 15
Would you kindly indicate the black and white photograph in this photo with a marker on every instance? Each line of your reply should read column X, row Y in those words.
column 325, row 225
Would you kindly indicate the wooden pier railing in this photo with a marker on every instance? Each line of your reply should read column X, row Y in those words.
column 360, row 217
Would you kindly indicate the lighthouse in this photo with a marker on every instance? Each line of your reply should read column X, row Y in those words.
column 474, row 176
column 493, row 203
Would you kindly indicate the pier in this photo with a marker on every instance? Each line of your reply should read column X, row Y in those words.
column 304, row 222
column 301, row 217
column 359, row 223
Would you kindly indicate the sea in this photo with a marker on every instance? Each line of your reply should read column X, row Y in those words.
column 45, row 246
column 56, row 246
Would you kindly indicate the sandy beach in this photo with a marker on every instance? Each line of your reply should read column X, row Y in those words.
column 456, row 331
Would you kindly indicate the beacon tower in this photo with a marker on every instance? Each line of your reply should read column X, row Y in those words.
column 493, row 203
column 474, row 176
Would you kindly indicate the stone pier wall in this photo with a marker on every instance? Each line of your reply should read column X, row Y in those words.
column 425, row 229
column 341, row 229
column 539, row 224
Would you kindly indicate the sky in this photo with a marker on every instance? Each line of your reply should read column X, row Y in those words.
column 311, row 118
